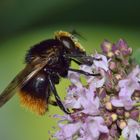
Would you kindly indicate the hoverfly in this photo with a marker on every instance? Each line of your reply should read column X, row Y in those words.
column 46, row 63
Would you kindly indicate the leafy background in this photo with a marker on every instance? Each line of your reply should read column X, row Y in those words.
column 24, row 23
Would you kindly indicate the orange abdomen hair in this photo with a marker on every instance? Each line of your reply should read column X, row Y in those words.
column 37, row 105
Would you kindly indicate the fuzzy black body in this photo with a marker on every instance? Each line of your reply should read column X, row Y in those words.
column 57, row 66
column 38, row 88
column 52, row 51
column 46, row 63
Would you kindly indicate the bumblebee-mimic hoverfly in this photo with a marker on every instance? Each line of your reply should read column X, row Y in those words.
column 46, row 63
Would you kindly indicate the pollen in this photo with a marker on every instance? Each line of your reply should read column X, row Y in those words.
column 62, row 33
column 36, row 105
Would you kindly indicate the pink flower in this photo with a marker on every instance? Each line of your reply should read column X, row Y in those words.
column 106, row 46
column 132, row 130
column 95, row 126
column 123, row 47
column 83, row 98
column 127, row 88
column 75, row 78
column 72, row 99
column 99, row 66
column 67, row 131
column 125, row 102
column 89, row 129
column 91, row 102
column 98, row 82
column 131, row 82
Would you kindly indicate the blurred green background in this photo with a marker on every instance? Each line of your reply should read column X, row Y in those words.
column 24, row 23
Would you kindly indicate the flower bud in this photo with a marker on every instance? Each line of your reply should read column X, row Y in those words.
column 114, row 117
column 113, row 131
column 121, row 124
column 106, row 46
column 120, row 111
column 118, row 76
column 127, row 115
column 112, row 66
column 108, row 120
column 108, row 106
column 117, row 53
column 136, row 96
column 110, row 54
column 134, row 114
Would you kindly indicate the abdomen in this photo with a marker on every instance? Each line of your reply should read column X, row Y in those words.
column 35, row 94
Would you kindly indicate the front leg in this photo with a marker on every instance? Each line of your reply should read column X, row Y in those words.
column 82, row 59
column 84, row 72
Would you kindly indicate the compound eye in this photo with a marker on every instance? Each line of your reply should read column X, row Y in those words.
column 67, row 42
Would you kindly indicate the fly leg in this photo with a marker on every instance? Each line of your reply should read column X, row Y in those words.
column 54, row 103
column 84, row 72
column 82, row 59
column 57, row 98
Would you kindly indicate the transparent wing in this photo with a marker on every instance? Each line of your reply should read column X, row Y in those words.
column 20, row 80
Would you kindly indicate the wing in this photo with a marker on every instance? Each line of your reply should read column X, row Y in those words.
column 20, row 80
column 48, row 56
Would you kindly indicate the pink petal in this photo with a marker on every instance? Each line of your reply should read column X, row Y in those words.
column 125, row 132
column 104, row 129
column 103, row 64
column 75, row 78
column 70, row 129
column 117, row 103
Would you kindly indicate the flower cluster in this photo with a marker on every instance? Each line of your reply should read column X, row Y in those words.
column 107, row 106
